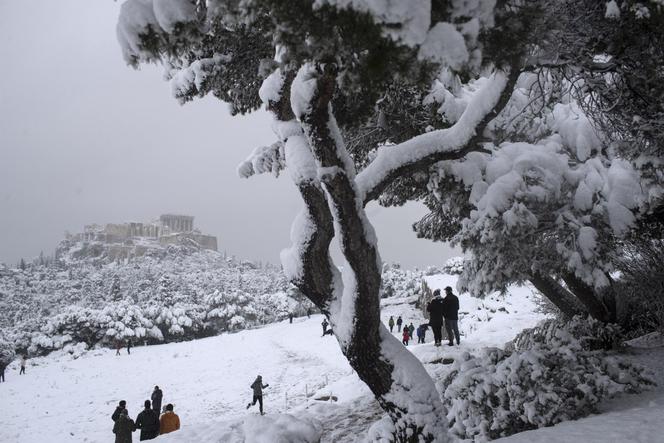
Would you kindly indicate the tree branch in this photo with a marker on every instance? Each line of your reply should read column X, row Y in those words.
column 419, row 153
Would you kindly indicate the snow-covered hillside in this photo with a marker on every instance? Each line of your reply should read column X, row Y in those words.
column 208, row 382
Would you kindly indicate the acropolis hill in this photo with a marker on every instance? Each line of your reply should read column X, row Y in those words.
column 134, row 239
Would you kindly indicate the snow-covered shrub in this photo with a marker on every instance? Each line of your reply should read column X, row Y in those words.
column 553, row 376
column 453, row 266
column 7, row 352
column 640, row 288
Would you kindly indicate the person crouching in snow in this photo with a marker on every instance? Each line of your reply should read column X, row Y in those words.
column 258, row 387
column 406, row 336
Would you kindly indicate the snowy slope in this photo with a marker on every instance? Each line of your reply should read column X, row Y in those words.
column 208, row 381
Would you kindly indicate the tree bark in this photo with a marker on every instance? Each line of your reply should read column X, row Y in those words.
column 596, row 308
column 397, row 379
column 558, row 295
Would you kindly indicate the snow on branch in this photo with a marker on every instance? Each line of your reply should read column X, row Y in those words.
column 445, row 141
column 264, row 159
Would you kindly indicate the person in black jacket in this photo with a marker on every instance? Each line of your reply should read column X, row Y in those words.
column 435, row 309
column 118, row 409
column 399, row 323
column 148, row 422
column 157, row 395
column 257, row 386
column 451, row 314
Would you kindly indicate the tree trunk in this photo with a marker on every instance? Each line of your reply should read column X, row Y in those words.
column 397, row 379
column 559, row 296
column 596, row 308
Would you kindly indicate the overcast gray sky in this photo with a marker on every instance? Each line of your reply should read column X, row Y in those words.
column 85, row 139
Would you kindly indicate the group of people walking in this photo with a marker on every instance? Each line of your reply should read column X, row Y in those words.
column 442, row 311
column 148, row 420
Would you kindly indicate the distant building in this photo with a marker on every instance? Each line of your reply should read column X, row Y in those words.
column 169, row 229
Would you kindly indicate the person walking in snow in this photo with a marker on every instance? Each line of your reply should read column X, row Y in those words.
column 169, row 421
column 24, row 363
column 325, row 323
column 399, row 323
column 290, row 317
column 451, row 314
column 2, row 372
column 411, row 330
column 421, row 333
column 148, row 422
column 390, row 323
column 156, row 397
column 129, row 346
column 258, row 387
column 406, row 336
column 123, row 427
column 435, row 309
column 118, row 346
column 118, row 409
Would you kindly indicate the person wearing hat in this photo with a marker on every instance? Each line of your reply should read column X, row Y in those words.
column 258, row 387
column 435, row 309
column 451, row 314
column 118, row 409
column 123, row 427
column 148, row 422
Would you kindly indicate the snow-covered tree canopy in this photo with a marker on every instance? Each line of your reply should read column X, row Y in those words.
column 515, row 121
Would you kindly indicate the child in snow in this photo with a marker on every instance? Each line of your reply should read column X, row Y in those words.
column 258, row 387
column 406, row 336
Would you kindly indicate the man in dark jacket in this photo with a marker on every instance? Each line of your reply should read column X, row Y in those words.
column 258, row 387
column 451, row 314
column 123, row 427
column 399, row 323
column 129, row 345
column 118, row 409
column 148, row 422
column 324, row 324
column 2, row 371
column 156, row 400
column 435, row 309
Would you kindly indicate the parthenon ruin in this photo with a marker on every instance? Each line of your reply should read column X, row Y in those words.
column 169, row 229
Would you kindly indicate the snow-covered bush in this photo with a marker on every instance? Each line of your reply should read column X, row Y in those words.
column 453, row 266
column 7, row 352
column 554, row 375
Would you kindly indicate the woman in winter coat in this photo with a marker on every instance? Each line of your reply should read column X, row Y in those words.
column 123, row 428
column 406, row 336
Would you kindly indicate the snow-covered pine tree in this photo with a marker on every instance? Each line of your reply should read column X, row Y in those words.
column 368, row 99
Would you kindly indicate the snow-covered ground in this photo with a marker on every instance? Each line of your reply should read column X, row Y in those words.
column 71, row 400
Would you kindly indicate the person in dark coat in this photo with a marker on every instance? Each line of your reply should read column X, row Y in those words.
column 399, row 323
column 308, row 312
column 123, row 427
column 421, row 333
column 451, row 314
column 411, row 330
column 2, row 371
column 324, row 324
column 435, row 309
column 24, row 363
column 258, row 387
column 148, row 422
column 129, row 346
column 118, row 409
column 290, row 317
column 156, row 397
